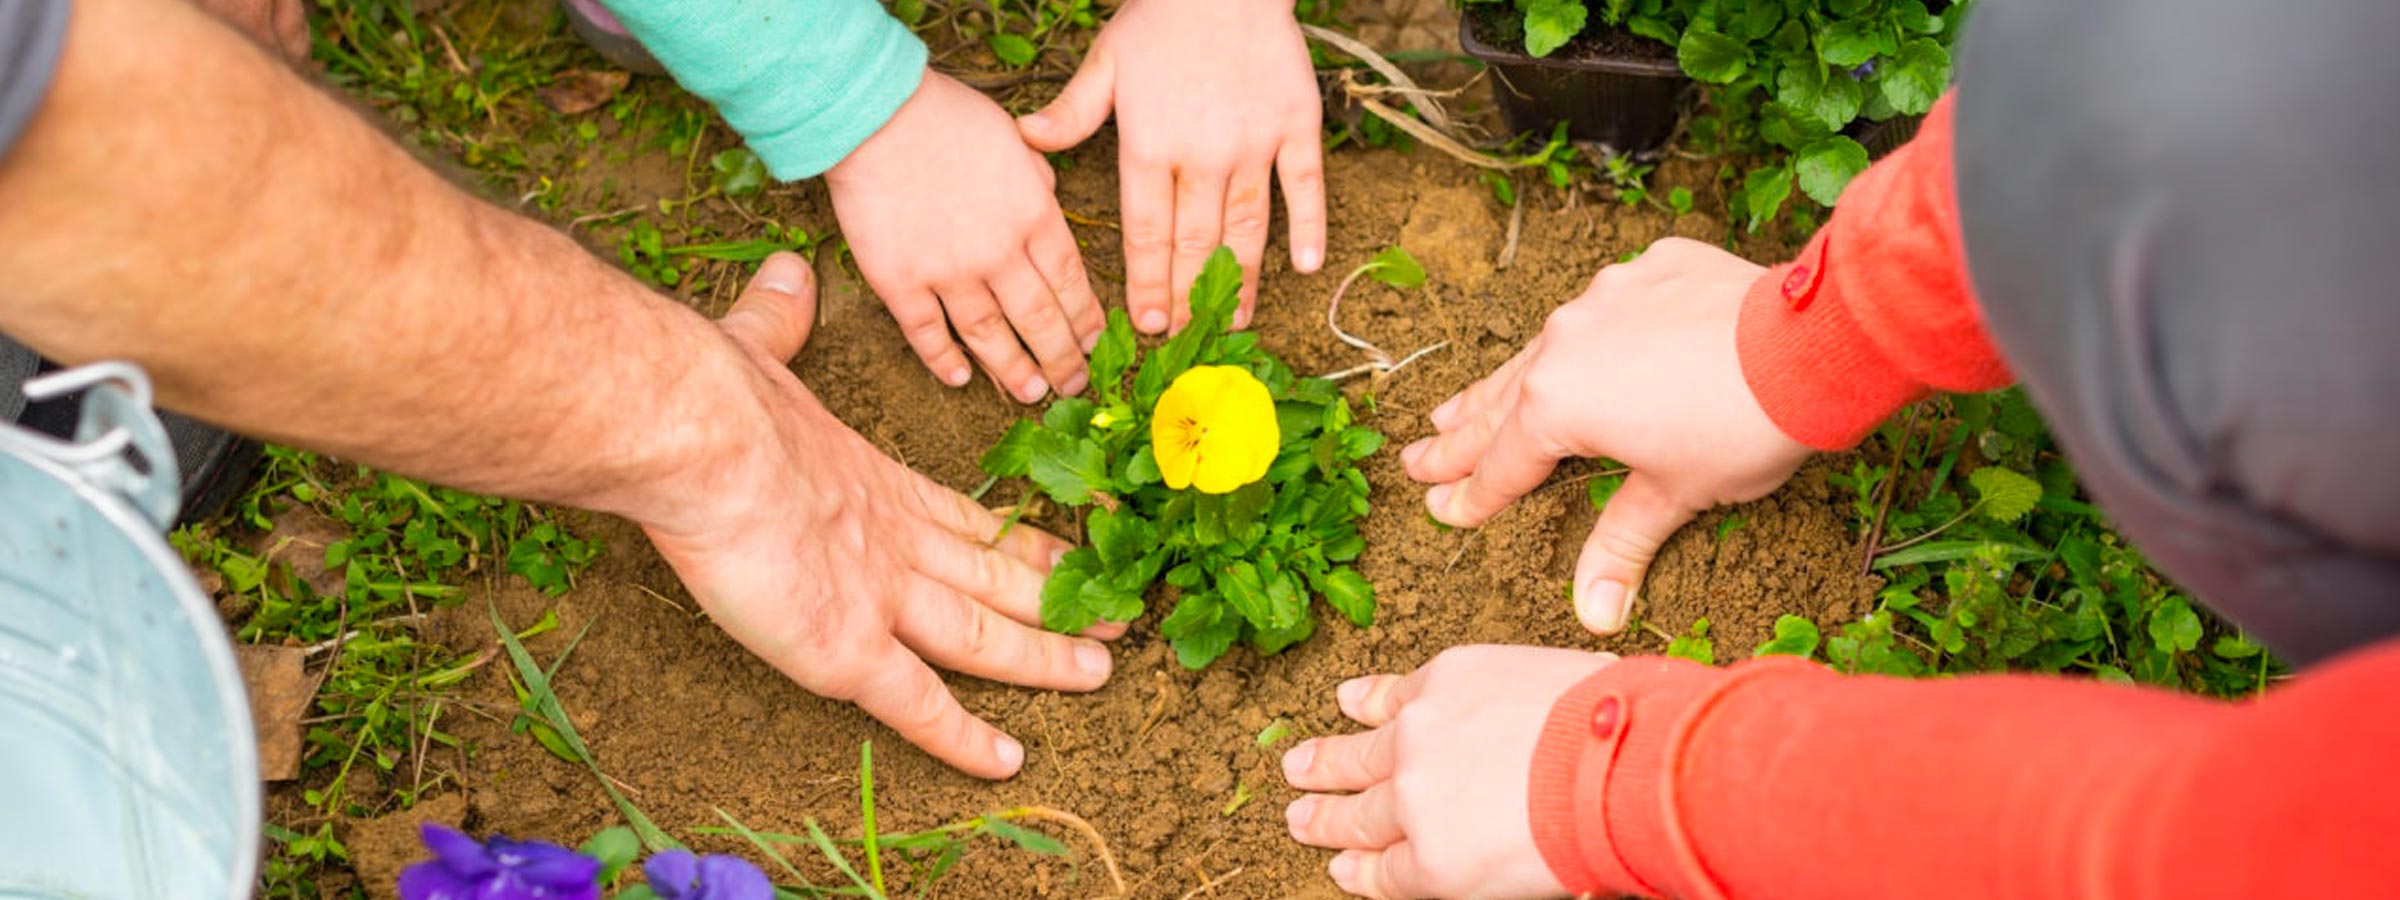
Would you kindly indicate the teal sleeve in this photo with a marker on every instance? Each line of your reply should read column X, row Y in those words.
column 804, row 81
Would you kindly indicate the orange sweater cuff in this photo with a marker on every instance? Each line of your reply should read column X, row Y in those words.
column 1813, row 368
column 1598, row 773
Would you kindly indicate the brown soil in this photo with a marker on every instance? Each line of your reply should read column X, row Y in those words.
column 687, row 721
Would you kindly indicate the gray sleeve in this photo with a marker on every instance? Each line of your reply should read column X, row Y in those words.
column 2179, row 215
column 32, row 32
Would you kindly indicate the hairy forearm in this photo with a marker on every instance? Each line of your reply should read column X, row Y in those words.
column 280, row 268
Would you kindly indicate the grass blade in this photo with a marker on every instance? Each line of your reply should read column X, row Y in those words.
column 866, row 811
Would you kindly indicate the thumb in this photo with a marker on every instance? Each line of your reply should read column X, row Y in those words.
column 777, row 310
column 1079, row 110
column 1634, row 524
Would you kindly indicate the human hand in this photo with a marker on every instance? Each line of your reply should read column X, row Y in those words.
column 279, row 25
column 1435, row 797
column 848, row 572
column 1211, row 96
column 1642, row 369
column 954, row 225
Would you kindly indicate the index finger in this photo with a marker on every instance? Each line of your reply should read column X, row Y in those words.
column 1517, row 461
column 1301, row 168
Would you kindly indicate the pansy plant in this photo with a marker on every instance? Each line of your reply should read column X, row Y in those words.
column 1207, row 464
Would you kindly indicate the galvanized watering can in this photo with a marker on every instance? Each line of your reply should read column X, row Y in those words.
column 128, row 767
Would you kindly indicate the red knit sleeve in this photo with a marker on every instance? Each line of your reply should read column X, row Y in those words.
column 1877, row 311
column 1777, row 778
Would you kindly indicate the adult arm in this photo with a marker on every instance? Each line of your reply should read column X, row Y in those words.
column 1779, row 778
column 282, row 269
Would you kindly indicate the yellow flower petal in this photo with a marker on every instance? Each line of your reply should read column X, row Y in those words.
column 1214, row 429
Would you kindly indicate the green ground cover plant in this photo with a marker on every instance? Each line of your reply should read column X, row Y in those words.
column 1788, row 79
column 1245, row 563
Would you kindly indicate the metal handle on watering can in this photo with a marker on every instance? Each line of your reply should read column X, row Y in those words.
column 128, row 764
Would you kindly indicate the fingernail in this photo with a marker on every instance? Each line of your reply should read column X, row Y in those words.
column 1076, row 383
column 1093, row 660
column 1441, row 414
column 1089, row 341
column 1298, row 814
column 1154, row 321
column 1601, row 605
column 1011, row 753
column 1241, row 318
column 1341, row 869
column 1037, row 121
column 1033, row 389
column 1311, row 259
column 1056, row 556
column 958, row 377
column 1409, row 454
column 781, row 273
column 1351, row 693
column 1438, row 500
column 1297, row 760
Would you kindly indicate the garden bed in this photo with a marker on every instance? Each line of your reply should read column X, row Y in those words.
column 687, row 720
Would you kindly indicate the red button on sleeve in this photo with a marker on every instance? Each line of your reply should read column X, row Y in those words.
column 1605, row 716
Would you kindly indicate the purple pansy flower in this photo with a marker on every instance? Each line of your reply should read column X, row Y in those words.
column 677, row 875
column 463, row 868
column 1864, row 69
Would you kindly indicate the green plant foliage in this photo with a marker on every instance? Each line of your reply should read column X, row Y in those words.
column 1694, row 645
column 2006, row 568
column 1787, row 77
column 1241, row 566
column 1794, row 636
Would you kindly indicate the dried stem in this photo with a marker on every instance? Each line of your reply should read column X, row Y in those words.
column 1889, row 488
column 1099, row 844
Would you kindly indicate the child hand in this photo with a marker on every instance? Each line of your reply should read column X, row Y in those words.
column 954, row 225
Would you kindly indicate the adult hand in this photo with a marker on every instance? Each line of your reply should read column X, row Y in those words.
column 954, row 225
column 1642, row 369
column 280, row 25
column 847, row 571
column 1433, row 801
column 1211, row 96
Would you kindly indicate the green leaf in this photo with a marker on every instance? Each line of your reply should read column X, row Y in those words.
column 1763, row 193
column 1694, row 645
column 1114, row 353
column 1360, row 443
column 1069, row 416
column 738, row 172
column 1270, row 641
column 1711, row 57
column 2174, row 627
column 1952, row 551
column 1121, row 537
column 1913, row 17
column 615, row 848
column 1024, row 838
column 1013, row 455
column 2233, row 646
column 1832, row 100
column 1794, row 636
column 1847, row 44
column 1653, row 27
column 1350, row 595
column 1246, row 592
column 1599, row 488
column 2004, row 495
column 1396, row 268
column 1680, row 200
column 1141, row 468
column 1550, row 24
column 1013, row 50
column 1827, row 166
column 1216, row 293
column 1201, row 630
column 1063, row 607
column 1916, row 76
column 1068, row 469
column 1752, row 20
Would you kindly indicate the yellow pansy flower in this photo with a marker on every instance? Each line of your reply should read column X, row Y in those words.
column 1214, row 429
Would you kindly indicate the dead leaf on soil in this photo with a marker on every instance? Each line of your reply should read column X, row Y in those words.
column 580, row 91
column 279, row 694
